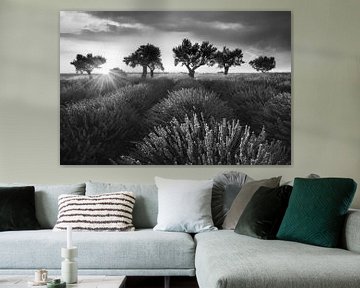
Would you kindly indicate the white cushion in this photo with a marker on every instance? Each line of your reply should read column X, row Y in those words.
column 184, row 205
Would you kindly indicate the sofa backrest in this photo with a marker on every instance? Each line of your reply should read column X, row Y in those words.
column 146, row 203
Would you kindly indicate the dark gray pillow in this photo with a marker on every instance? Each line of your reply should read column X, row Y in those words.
column 226, row 187
column 243, row 198
column 263, row 214
column 46, row 200
column 17, row 209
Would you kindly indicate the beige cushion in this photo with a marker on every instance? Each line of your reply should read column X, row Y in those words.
column 243, row 198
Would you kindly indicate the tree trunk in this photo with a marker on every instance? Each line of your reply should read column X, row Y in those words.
column 191, row 73
column 226, row 70
column 151, row 73
column 143, row 75
column 89, row 73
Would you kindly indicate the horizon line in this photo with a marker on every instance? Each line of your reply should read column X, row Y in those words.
column 270, row 72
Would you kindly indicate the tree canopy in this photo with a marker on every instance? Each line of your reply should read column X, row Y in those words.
column 87, row 63
column 194, row 55
column 263, row 63
column 227, row 58
column 147, row 56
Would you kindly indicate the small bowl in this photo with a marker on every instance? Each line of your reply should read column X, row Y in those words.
column 56, row 283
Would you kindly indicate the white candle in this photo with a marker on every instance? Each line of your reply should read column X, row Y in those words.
column 69, row 237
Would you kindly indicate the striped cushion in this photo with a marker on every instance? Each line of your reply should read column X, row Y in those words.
column 105, row 212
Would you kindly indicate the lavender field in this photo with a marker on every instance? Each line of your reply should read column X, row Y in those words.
column 172, row 119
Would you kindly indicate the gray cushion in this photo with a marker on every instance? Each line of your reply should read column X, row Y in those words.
column 146, row 204
column 46, row 200
column 351, row 235
column 144, row 249
column 226, row 187
column 247, row 262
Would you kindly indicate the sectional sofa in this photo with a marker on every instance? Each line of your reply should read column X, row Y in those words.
column 219, row 259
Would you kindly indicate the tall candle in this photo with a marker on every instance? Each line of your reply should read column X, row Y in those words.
column 69, row 237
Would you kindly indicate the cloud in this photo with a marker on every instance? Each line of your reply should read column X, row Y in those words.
column 86, row 26
column 74, row 22
column 260, row 30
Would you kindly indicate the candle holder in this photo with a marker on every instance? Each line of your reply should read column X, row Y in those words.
column 69, row 271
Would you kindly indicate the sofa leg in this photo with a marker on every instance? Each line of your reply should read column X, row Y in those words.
column 167, row 282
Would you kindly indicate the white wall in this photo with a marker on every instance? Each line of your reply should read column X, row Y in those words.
column 326, row 91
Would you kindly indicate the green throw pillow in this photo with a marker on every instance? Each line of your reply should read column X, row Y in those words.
column 316, row 211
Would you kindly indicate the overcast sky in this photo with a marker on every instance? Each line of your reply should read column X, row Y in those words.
column 116, row 34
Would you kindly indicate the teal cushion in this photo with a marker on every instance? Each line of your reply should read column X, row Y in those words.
column 316, row 211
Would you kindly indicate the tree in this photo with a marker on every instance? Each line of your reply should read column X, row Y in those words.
column 117, row 72
column 147, row 56
column 87, row 63
column 227, row 58
column 153, row 65
column 194, row 56
column 263, row 63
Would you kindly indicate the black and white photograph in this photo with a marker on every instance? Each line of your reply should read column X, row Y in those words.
column 175, row 88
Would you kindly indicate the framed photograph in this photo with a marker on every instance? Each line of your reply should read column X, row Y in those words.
column 175, row 88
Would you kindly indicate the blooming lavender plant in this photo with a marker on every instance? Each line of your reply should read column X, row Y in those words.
column 195, row 141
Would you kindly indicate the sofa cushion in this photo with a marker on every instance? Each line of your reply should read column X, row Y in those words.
column 225, row 259
column 350, row 239
column 184, row 205
column 105, row 212
column 46, row 200
column 243, row 198
column 143, row 249
column 146, row 205
column 17, row 209
column 317, row 209
column 263, row 215
column 226, row 187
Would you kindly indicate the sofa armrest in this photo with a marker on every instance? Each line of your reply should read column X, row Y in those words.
column 351, row 234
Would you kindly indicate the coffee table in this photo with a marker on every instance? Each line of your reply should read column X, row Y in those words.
column 84, row 281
